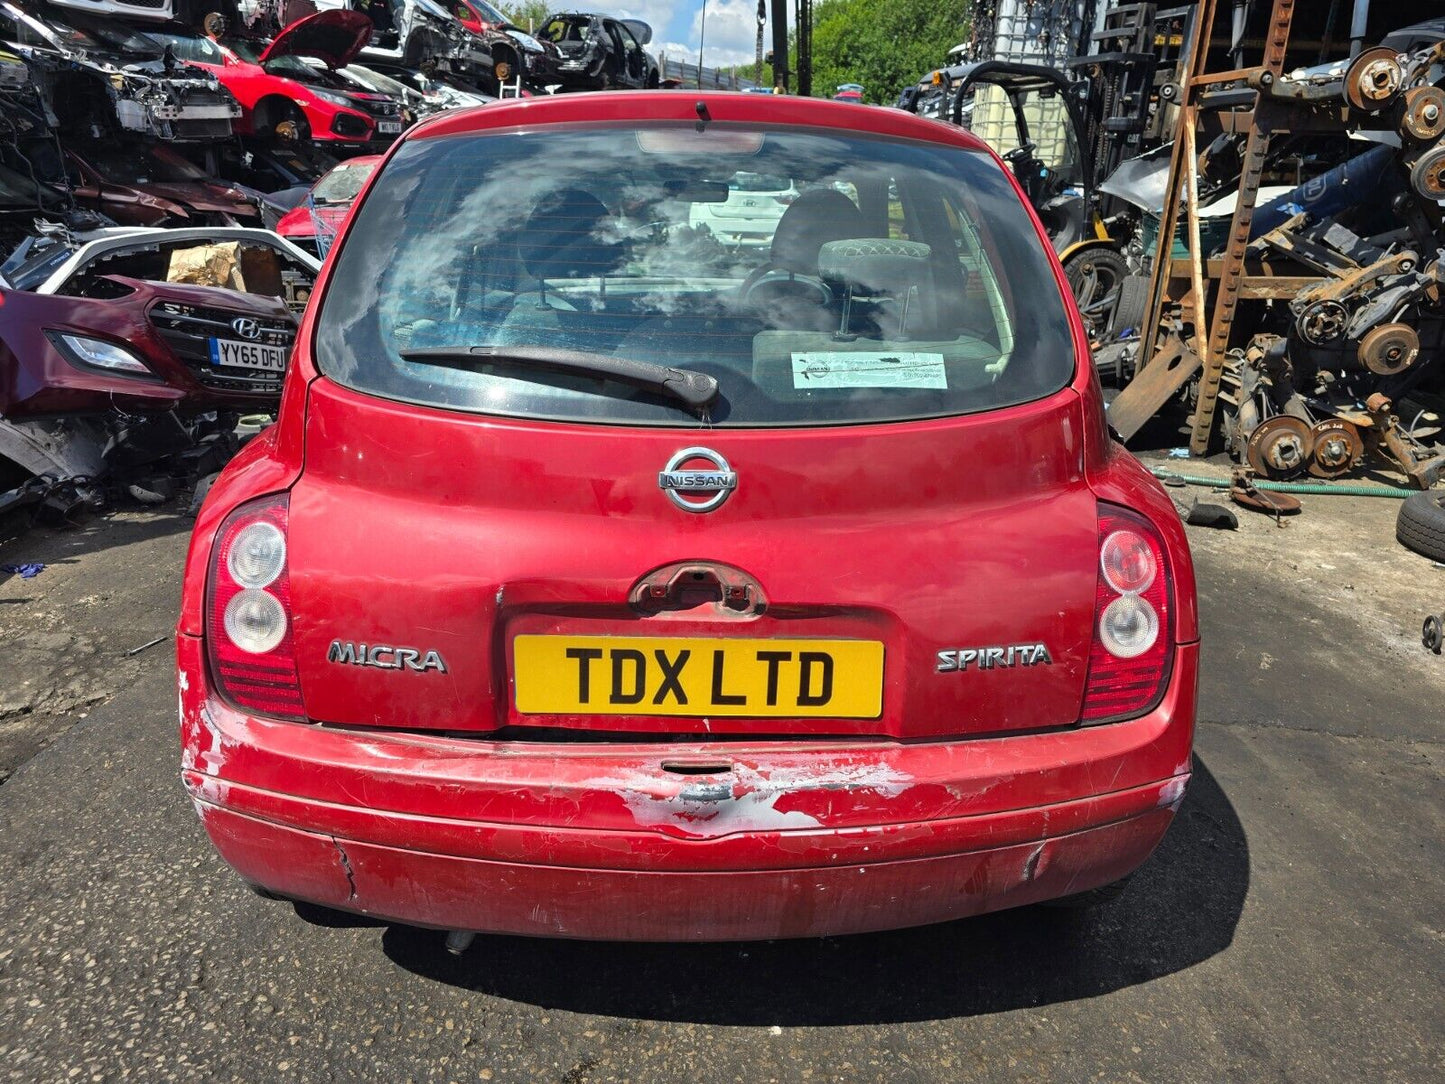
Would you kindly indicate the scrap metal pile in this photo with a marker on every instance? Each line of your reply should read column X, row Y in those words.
column 170, row 174
column 1297, row 311
column 1350, row 368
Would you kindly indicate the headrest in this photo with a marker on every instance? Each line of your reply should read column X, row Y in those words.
column 879, row 265
column 812, row 220
column 565, row 237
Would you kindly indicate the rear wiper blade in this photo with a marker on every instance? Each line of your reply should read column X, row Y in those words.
column 694, row 389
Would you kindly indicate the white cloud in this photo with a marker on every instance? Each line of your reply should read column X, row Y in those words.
column 732, row 27
column 657, row 14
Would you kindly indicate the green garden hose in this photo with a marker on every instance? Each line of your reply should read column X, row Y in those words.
column 1325, row 488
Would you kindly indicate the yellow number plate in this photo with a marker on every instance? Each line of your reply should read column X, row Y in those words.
column 644, row 675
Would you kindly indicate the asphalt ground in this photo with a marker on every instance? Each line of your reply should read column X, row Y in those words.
column 1291, row 927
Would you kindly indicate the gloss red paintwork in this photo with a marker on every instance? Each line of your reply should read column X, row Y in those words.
column 456, row 532
column 251, row 84
column 37, row 380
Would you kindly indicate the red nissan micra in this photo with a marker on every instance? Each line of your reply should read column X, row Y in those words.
column 603, row 580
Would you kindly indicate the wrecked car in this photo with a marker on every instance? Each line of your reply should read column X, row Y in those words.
column 438, row 87
column 312, row 223
column 137, row 345
column 103, row 80
column 139, row 318
column 26, row 203
column 514, row 52
column 62, row 263
column 417, row 34
column 152, row 185
column 599, row 52
column 781, row 592
column 285, row 98
column 419, row 95
column 147, row 10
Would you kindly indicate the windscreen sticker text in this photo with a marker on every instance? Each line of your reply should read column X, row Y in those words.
column 868, row 369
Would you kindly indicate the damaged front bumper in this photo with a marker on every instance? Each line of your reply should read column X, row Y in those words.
column 167, row 117
column 678, row 842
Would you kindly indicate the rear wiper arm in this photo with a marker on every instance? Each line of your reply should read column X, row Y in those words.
column 694, row 389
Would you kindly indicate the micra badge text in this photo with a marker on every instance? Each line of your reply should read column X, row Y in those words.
column 991, row 658
column 386, row 657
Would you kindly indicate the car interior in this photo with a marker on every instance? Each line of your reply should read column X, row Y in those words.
column 878, row 284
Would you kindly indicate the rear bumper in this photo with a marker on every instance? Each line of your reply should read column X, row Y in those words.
column 604, row 842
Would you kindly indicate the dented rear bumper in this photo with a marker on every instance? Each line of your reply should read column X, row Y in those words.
column 669, row 842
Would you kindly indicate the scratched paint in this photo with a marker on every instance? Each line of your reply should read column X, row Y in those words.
column 1172, row 792
column 749, row 803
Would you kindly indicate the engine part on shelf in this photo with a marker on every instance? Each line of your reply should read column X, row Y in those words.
column 1280, row 447
column 1387, row 349
column 1322, row 322
column 1373, row 79
column 1336, row 446
column 1423, row 114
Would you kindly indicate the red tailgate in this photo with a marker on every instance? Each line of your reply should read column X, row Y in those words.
column 429, row 531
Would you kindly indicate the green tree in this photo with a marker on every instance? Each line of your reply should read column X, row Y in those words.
column 528, row 13
column 885, row 45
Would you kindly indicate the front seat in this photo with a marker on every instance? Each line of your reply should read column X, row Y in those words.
column 787, row 291
column 565, row 237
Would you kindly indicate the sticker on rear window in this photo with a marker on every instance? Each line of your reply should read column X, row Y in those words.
column 867, row 369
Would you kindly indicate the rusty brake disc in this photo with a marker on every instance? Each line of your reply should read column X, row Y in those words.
column 1337, row 447
column 1373, row 79
column 1427, row 175
column 1322, row 322
column 1279, row 447
column 1423, row 117
column 1388, row 349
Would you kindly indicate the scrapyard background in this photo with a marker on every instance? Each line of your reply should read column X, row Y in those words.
column 161, row 220
column 1246, row 199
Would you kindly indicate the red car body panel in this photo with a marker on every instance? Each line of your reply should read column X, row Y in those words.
column 298, row 222
column 961, row 797
column 334, row 37
column 36, row 380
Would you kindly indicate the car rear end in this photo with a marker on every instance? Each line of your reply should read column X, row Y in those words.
column 498, row 630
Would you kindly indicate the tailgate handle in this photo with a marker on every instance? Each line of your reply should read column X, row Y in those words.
column 689, row 584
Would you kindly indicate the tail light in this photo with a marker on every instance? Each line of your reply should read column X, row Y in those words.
column 787, row 199
column 248, row 611
column 1133, row 644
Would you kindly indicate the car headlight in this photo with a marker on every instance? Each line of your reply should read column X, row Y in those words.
column 334, row 99
column 99, row 354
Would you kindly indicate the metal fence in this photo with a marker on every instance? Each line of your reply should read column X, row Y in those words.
column 693, row 75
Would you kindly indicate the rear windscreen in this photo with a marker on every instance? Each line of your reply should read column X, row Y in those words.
column 822, row 278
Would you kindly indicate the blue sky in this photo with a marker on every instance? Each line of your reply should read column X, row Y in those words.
column 731, row 27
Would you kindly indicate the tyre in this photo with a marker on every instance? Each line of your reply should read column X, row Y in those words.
column 1421, row 524
column 1096, row 278
column 1133, row 306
